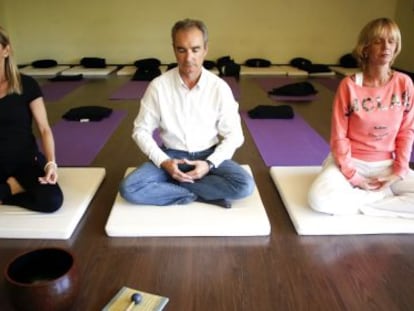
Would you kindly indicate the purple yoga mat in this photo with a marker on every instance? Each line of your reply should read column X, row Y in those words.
column 130, row 90
column 269, row 83
column 53, row 91
column 78, row 143
column 290, row 142
column 234, row 85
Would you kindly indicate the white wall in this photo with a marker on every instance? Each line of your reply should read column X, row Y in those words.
column 405, row 19
column 125, row 30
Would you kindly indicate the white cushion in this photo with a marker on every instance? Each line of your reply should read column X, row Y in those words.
column 78, row 185
column 263, row 71
column 293, row 184
column 293, row 71
column 345, row 71
column 43, row 72
column 89, row 72
column 129, row 70
column 246, row 217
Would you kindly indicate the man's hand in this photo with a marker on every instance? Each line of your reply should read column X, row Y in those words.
column 199, row 169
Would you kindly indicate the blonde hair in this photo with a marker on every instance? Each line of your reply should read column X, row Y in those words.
column 11, row 71
column 378, row 28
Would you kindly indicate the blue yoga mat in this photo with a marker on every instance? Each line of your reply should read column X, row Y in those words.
column 78, row 143
column 287, row 142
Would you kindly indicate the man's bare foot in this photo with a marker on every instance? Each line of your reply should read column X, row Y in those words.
column 14, row 185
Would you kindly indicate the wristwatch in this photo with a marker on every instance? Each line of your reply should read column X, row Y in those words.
column 210, row 165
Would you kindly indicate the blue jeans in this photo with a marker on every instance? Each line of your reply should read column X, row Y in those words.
column 151, row 185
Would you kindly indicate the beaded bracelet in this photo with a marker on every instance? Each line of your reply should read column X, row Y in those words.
column 50, row 163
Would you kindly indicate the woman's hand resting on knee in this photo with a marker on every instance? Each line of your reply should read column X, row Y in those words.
column 51, row 174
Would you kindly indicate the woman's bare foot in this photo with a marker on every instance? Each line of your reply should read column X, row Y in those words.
column 14, row 185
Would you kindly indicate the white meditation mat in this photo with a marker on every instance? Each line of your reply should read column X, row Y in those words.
column 129, row 70
column 89, row 72
column 43, row 72
column 293, row 184
column 78, row 184
column 345, row 71
column 293, row 71
column 323, row 74
column 246, row 217
column 263, row 71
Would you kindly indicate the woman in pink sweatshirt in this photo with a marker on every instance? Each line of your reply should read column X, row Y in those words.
column 372, row 134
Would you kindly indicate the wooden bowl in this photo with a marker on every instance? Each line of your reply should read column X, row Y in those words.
column 42, row 279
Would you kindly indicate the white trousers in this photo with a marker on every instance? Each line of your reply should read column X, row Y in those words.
column 332, row 193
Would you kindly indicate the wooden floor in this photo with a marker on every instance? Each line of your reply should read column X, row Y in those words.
column 282, row 271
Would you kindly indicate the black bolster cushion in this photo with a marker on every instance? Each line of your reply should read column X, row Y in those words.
column 257, row 62
column 209, row 64
column 147, row 63
column 294, row 89
column 271, row 112
column 87, row 113
column 93, row 62
column 299, row 62
column 146, row 74
column 44, row 63
column 348, row 61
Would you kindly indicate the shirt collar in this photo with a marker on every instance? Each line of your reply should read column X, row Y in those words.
column 201, row 82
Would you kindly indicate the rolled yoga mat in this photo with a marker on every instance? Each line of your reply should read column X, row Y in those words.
column 78, row 143
column 53, row 91
column 290, row 142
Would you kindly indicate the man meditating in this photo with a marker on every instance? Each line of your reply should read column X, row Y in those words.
column 200, row 129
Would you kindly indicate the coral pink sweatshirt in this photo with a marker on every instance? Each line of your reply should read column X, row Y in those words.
column 373, row 124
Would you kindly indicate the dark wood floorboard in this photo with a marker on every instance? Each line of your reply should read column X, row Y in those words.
column 283, row 271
